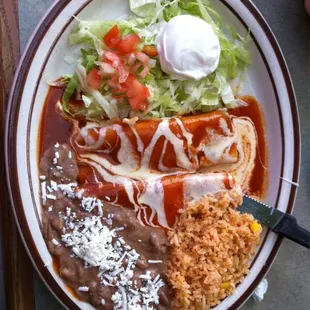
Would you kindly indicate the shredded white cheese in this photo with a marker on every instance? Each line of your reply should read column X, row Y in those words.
column 55, row 242
column 49, row 189
column 83, row 288
column 43, row 192
column 53, row 185
column 53, row 197
column 79, row 193
column 68, row 189
column 99, row 246
column 155, row 261
column 90, row 203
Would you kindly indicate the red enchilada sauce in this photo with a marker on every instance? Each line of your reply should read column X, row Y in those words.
column 258, row 184
column 54, row 128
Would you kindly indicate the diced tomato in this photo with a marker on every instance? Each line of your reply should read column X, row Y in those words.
column 134, row 68
column 128, row 44
column 135, row 103
column 144, row 105
column 117, row 63
column 112, row 38
column 145, row 72
column 131, row 59
column 143, row 58
column 134, row 86
column 113, row 58
column 150, row 50
column 94, row 79
column 137, row 94
column 113, row 84
column 106, row 69
column 123, row 73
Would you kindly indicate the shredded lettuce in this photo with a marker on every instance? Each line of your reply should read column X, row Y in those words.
column 169, row 97
column 92, row 32
column 65, row 79
column 171, row 10
column 69, row 91
column 88, row 100
column 149, row 33
column 89, row 59
column 143, row 8
column 109, row 109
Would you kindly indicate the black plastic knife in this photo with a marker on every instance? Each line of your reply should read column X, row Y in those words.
column 281, row 223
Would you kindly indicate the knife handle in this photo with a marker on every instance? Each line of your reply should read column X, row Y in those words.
column 289, row 228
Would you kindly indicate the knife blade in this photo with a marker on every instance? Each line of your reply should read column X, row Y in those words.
column 281, row 223
column 263, row 213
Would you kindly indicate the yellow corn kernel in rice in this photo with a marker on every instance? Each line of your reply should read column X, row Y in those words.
column 256, row 227
column 225, row 285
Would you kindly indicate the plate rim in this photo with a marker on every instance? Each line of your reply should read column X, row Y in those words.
column 11, row 133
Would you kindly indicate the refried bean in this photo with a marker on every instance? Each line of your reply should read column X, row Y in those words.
column 63, row 212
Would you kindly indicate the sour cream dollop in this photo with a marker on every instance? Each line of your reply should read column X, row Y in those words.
column 188, row 48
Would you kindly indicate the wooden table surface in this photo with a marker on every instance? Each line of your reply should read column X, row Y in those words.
column 289, row 278
column 17, row 269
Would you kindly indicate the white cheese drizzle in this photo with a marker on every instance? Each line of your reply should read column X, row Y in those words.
column 135, row 158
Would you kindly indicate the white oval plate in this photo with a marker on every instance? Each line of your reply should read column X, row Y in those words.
column 268, row 80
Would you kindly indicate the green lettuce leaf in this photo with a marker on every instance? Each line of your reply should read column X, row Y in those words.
column 143, row 8
column 65, row 79
column 171, row 10
column 93, row 31
column 89, row 59
column 69, row 91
